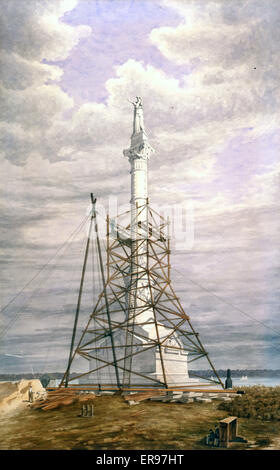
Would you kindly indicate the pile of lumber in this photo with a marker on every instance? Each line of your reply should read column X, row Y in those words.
column 144, row 395
column 62, row 397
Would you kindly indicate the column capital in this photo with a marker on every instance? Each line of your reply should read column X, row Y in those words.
column 141, row 151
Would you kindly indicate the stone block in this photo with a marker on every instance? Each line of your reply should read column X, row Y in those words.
column 177, row 394
column 186, row 400
column 203, row 400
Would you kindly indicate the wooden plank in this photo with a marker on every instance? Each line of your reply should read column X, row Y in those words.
column 174, row 389
column 143, row 396
column 229, row 419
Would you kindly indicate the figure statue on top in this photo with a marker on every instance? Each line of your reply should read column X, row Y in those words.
column 138, row 121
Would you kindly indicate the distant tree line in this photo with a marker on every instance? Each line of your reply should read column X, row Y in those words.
column 203, row 373
column 238, row 372
column 44, row 378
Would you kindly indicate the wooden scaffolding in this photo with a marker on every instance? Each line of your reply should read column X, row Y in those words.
column 122, row 303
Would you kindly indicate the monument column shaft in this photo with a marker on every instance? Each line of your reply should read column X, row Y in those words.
column 139, row 176
column 138, row 155
column 139, row 194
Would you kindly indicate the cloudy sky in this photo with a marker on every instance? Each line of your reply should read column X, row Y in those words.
column 208, row 72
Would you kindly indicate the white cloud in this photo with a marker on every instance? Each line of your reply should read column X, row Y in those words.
column 231, row 53
column 34, row 107
column 16, row 144
column 30, row 102
column 18, row 73
column 34, row 31
column 198, row 43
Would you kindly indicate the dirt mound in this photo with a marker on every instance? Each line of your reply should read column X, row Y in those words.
column 7, row 389
column 15, row 395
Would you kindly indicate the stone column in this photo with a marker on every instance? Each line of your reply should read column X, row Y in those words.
column 138, row 155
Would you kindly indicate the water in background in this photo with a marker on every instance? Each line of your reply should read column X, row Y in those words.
column 250, row 381
column 236, row 381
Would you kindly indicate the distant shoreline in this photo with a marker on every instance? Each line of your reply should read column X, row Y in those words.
column 265, row 373
column 261, row 373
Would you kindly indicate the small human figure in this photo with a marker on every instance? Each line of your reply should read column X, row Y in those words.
column 30, row 394
column 207, row 439
column 211, row 437
column 217, row 437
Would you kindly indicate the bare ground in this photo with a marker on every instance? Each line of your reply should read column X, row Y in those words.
column 116, row 425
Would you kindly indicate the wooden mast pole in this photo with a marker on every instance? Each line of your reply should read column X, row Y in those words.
column 105, row 294
column 66, row 375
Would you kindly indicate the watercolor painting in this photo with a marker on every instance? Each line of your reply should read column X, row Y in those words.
column 171, row 105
